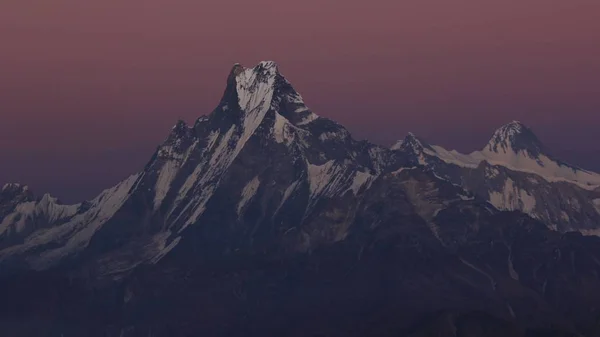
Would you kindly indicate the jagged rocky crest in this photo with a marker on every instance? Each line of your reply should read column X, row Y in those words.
column 262, row 179
column 515, row 137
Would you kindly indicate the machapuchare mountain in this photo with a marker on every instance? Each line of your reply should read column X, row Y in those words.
column 264, row 219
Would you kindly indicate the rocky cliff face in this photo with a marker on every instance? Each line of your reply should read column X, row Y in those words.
column 263, row 218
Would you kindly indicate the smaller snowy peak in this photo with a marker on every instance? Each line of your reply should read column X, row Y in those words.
column 513, row 146
column 411, row 143
column 15, row 192
column 14, row 187
column 515, row 137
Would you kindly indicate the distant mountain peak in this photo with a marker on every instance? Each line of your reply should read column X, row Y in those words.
column 15, row 191
column 14, row 186
column 410, row 143
column 515, row 137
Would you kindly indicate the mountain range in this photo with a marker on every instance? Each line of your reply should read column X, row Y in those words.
column 264, row 219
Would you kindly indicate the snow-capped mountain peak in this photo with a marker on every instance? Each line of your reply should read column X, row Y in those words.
column 515, row 137
column 254, row 91
column 513, row 146
column 410, row 143
column 265, row 146
column 14, row 191
column 14, row 186
column 255, row 86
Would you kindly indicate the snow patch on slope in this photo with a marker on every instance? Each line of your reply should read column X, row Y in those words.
column 359, row 180
column 307, row 116
column 169, row 169
column 397, row 145
column 195, row 176
column 308, row 119
column 248, row 193
column 165, row 177
column 400, row 170
column 283, row 130
column 512, row 198
column 286, row 195
column 597, row 204
column 323, row 178
column 163, row 247
column 329, row 136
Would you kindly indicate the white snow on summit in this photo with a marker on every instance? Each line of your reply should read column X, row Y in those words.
column 255, row 86
column 517, row 160
column 504, row 135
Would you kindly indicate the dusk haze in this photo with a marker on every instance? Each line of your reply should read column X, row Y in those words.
column 89, row 88
column 314, row 168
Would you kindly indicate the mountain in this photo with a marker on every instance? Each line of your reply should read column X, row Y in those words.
column 515, row 172
column 263, row 218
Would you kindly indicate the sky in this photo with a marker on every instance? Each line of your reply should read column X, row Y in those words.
column 88, row 89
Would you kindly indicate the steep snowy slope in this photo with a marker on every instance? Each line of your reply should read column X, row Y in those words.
column 38, row 233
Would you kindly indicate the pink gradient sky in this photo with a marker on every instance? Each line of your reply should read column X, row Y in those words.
column 88, row 89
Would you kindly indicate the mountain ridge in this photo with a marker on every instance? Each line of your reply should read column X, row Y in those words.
column 260, row 100
column 261, row 210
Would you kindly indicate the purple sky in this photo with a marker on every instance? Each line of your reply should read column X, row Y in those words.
column 88, row 89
